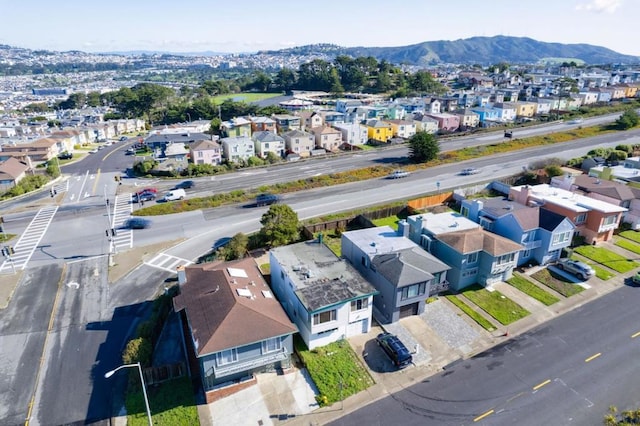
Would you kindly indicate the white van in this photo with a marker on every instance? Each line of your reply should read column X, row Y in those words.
column 174, row 194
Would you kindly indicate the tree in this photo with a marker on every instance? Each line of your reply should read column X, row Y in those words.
column 423, row 147
column 628, row 119
column 236, row 248
column 279, row 225
column 552, row 170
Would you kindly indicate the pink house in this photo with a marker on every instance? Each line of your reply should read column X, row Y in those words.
column 447, row 122
column 206, row 152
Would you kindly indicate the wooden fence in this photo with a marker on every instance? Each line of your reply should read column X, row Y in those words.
column 430, row 201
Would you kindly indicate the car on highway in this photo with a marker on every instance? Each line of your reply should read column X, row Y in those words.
column 93, row 151
column 137, row 223
column 266, row 199
column 144, row 195
column 575, row 121
column 395, row 349
column 123, row 138
column 469, row 171
column 577, row 268
column 187, row 184
column 397, row 174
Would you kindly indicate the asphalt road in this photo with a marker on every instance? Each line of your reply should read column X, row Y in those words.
column 567, row 371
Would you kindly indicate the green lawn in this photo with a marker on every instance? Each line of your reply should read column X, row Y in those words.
column 171, row 403
column 631, row 235
column 391, row 221
column 628, row 245
column 331, row 240
column 602, row 273
column 557, row 283
column 532, row 290
column 482, row 321
column 607, row 258
column 336, row 371
column 495, row 304
column 244, row 97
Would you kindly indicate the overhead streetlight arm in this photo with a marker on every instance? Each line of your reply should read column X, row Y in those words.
column 112, row 372
column 144, row 389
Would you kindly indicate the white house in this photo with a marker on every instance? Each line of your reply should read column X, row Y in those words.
column 323, row 294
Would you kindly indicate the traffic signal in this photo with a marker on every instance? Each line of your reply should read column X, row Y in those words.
column 4, row 252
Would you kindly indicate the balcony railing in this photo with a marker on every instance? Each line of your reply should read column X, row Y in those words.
column 607, row 228
column 530, row 245
column 266, row 359
column 438, row 288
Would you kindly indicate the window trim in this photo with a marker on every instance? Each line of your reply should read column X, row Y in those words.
column 277, row 347
column 316, row 319
column 220, row 359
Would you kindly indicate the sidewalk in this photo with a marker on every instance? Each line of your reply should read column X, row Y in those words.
column 445, row 337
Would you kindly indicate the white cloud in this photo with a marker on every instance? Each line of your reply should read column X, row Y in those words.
column 598, row 6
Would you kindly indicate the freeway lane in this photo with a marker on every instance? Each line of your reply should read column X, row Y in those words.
column 548, row 376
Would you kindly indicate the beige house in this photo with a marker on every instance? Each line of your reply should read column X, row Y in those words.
column 327, row 137
column 402, row 128
column 299, row 142
column 12, row 171
column 526, row 109
column 310, row 120
column 468, row 118
column 38, row 151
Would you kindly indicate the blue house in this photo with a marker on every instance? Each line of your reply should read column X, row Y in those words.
column 474, row 255
column 542, row 233
column 486, row 114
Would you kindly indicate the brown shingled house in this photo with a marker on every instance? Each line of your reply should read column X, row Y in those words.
column 11, row 172
column 236, row 325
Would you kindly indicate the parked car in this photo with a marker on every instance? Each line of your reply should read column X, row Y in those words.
column 266, row 199
column 187, row 184
column 174, row 194
column 123, row 138
column 577, row 268
column 93, row 151
column 395, row 349
column 469, row 171
column 65, row 155
column 397, row 174
column 137, row 223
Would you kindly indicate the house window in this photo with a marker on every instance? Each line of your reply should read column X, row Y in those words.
column 470, row 272
column 324, row 317
column 486, row 223
column 464, row 211
column 413, row 291
column 610, row 220
column 526, row 253
column 472, row 257
column 227, row 357
column 271, row 345
column 562, row 237
column 505, row 258
column 360, row 304
column 437, row 277
column 200, row 154
column 581, row 218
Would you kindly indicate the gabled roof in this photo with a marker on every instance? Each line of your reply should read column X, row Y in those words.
column 551, row 220
column 204, row 145
column 266, row 136
column 611, row 189
column 479, row 240
column 297, row 134
column 12, row 168
column 408, row 266
column 219, row 314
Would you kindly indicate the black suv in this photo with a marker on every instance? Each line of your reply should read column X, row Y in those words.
column 266, row 199
column 65, row 155
column 395, row 349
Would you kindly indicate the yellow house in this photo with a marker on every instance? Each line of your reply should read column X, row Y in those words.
column 630, row 90
column 379, row 130
column 526, row 109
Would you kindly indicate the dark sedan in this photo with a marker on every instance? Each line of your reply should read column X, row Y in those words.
column 137, row 223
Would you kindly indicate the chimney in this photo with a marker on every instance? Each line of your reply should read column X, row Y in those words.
column 403, row 228
column 182, row 275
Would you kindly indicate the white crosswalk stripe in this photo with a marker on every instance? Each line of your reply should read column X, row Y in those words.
column 29, row 240
column 122, row 208
column 167, row 262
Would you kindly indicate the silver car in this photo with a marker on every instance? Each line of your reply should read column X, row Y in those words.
column 577, row 268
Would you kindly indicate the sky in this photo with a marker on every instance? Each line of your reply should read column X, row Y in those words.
column 252, row 25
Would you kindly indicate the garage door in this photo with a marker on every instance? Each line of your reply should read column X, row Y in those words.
column 408, row 310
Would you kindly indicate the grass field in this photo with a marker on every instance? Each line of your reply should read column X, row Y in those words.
column 532, row 290
column 554, row 282
column 482, row 321
column 245, row 97
column 607, row 258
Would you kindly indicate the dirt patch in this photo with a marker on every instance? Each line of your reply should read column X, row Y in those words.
column 125, row 262
column 8, row 284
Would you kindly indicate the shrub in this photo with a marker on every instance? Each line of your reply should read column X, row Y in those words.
column 137, row 350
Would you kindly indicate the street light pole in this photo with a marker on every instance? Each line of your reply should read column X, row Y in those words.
column 144, row 389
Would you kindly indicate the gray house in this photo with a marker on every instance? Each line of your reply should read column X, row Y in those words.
column 404, row 274
column 236, row 325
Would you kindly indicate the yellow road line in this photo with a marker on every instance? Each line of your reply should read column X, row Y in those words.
column 482, row 416
column 633, row 336
column 546, row 382
column 95, row 184
column 44, row 347
column 592, row 357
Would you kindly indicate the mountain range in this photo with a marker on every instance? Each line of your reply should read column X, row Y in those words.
column 475, row 50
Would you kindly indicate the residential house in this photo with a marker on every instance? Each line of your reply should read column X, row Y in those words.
column 342, row 105
column 543, row 106
column 158, row 142
column 266, row 141
column 474, row 255
column 588, row 97
column 525, row 109
column 331, row 118
column 235, row 327
column 606, row 190
column 404, row 274
column 424, row 123
column 262, row 124
column 296, row 104
column 12, row 171
column 434, row 107
column 402, row 128
column 236, row 127
column 506, row 111
column 206, row 152
column 323, row 294
column 175, row 157
column 378, row 130
column 286, row 122
column 604, row 96
column 542, row 233
column 299, row 142
column 483, row 100
column 377, row 112
column 38, row 151
column 630, row 90
column 395, row 111
column 448, row 104
column 468, row 119
column 237, row 149
column 353, row 133
column 327, row 138
column 309, row 120
column 595, row 220
column 446, row 122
